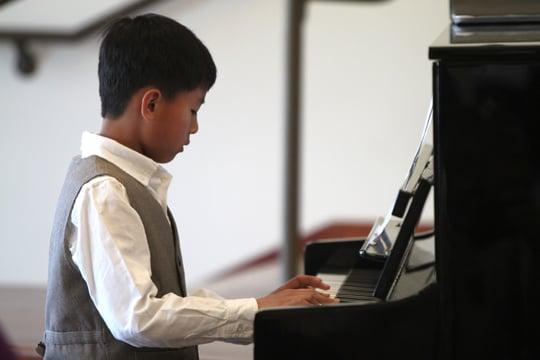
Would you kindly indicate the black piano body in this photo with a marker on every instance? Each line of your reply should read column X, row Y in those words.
column 486, row 85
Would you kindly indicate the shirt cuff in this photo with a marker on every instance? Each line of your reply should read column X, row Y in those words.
column 240, row 314
column 242, row 309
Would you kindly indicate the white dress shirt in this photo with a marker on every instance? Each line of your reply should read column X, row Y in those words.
column 108, row 244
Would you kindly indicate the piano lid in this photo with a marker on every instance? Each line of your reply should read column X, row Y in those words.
column 494, row 42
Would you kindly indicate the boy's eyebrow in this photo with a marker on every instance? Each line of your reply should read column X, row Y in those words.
column 201, row 101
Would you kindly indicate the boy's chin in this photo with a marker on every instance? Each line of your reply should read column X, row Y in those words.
column 166, row 158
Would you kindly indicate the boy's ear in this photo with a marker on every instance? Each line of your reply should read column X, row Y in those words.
column 149, row 103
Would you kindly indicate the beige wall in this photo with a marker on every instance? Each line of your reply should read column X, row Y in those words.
column 368, row 85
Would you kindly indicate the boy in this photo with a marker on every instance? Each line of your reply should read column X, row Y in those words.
column 116, row 281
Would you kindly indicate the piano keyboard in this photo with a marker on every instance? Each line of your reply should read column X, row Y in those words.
column 358, row 285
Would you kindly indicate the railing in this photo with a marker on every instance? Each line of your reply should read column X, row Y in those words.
column 26, row 60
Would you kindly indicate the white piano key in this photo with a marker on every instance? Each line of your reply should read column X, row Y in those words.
column 334, row 281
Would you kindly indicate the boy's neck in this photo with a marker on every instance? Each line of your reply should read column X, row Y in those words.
column 124, row 130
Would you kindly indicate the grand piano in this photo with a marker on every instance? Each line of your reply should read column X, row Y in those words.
column 480, row 299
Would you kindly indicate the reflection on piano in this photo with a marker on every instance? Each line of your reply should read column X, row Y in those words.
column 359, row 283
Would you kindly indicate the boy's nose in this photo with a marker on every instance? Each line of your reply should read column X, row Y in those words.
column 194, row 127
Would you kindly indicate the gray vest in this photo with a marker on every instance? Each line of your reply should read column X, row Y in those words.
column 73, row 327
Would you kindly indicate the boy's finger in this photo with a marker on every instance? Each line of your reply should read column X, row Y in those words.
column 322, row 292
column 303, row 281
column 325, row 299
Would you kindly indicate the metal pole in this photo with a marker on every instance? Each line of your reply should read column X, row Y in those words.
column 291, row 248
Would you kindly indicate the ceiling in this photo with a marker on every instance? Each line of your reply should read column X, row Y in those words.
column 65, row 16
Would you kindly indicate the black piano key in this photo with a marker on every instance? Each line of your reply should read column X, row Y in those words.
column 356, row 289
column 359, row 285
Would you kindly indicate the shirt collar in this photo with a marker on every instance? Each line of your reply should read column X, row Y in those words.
column 141, row 167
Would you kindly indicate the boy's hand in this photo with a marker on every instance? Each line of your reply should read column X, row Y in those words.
column 301, row 290
column 303, row 282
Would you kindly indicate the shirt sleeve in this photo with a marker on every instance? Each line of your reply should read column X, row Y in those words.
column 108, row 244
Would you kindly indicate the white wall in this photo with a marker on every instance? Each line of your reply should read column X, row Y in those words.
column 367, row 81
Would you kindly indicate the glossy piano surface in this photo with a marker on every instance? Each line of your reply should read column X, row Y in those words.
column 487, row 192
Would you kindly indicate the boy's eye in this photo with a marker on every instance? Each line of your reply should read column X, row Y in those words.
column 194, row 112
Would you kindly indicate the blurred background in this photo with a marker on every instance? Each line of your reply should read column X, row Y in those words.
column 366, row 90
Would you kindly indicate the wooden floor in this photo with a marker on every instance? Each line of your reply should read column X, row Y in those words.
column 22, row 319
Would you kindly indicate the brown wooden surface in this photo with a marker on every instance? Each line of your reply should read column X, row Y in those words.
column 21, row 318
column 331, row 231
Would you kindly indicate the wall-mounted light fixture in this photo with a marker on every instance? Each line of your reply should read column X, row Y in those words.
column 24, row 22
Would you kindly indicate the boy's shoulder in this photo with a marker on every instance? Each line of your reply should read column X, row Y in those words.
column 94, row 174
column 86, row 168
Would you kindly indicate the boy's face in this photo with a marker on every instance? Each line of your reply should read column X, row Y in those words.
column 174, row 120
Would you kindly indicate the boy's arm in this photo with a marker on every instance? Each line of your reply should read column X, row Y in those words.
column 109, row 247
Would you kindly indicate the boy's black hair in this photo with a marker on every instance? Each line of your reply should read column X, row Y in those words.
column 150, row 50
